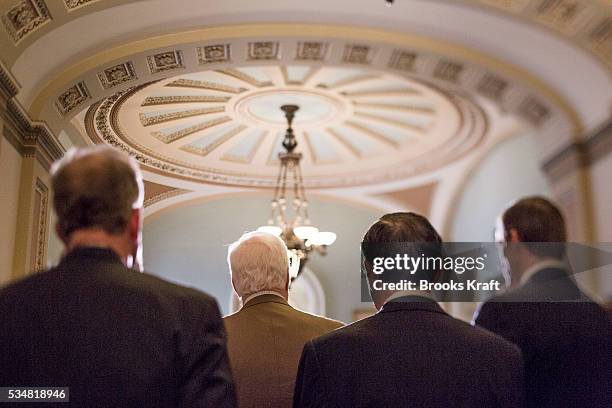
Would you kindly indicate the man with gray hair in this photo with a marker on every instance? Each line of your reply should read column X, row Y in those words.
column 266, row 336
column 114, row 336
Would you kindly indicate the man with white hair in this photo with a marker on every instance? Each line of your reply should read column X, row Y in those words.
column 116, row 337
column 266, row 336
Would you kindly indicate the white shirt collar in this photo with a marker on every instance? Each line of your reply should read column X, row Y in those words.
column 263, row 292
column 537, row 267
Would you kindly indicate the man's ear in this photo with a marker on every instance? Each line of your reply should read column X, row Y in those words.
column 60, row 233
column 513, row 235
column 134, row 225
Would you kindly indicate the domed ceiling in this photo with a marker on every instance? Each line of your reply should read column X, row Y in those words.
column 354, row 125
column 392, row 99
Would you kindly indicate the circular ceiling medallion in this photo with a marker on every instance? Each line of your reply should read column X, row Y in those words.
column 317, row 108
column 354, row 126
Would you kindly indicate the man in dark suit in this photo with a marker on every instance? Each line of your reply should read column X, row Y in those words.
column 411, row 353
column 566, row 338
column 114, row 336
column 266, row 336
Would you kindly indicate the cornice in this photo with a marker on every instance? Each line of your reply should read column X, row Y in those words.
column 582, row 154
column 8, row 84
column 30, row 138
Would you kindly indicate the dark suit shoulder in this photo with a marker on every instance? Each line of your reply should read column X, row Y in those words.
column 173, row 289
column 110, row 279
column 373, row 327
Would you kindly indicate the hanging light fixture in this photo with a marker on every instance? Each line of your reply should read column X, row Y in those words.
column 289, row 209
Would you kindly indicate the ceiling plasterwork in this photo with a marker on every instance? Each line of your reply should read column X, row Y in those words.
column 24, row 17
column 222, row 56
column 355, row 125
column 587, row 23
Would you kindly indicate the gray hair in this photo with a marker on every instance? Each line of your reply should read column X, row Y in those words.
column 96, row 187
column 258, row 261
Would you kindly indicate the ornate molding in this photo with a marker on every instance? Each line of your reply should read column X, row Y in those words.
column 579, row 155
column 101, row 123
column 39, row 233
column 75, row 4
column 164, row 196
column 32, row 136
column 8, row 84
column 24, row 18
column 28, row 137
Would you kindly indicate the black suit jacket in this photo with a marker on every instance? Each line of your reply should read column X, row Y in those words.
column 410, row 354
column 116, row 337
column 566, row 340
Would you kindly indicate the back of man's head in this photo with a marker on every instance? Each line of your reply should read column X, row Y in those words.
column 95, row 188
column 403, row 233
column 537, row 220
column 258, row 261
column 402, row 227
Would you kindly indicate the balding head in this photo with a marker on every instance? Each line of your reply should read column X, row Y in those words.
column 95, row 187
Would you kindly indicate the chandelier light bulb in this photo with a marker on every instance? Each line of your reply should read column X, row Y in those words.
column 305, row 232
column 324, row 238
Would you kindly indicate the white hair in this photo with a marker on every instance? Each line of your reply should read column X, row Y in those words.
column 258, row 261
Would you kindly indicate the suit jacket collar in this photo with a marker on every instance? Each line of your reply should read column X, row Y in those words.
column 412, row 303
column 548, row 275
column 547, row 263
column 91, row 254
column 265, row 299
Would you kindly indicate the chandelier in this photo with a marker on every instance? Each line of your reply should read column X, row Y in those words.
column 289, row 209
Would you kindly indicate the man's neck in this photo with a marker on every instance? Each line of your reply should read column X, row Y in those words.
column 99, row 239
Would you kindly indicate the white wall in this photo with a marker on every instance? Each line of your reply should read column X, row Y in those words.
column 509, row 172
column 10, row 171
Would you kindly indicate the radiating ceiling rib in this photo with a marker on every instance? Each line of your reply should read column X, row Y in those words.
column 169, row 100
column 149, row 120
column 381, row 92
column 212, row 86
column 352, row 80
column 234, row 73
column 248, row 145
column 375, row 135
column 320, row 151
column 205, row 150
column 394, row 107
column 345, row 154
column 311, row 77
column 345, row 142
column 388, row 121
column 289, row 74
column 180, row 134
column 275, row 74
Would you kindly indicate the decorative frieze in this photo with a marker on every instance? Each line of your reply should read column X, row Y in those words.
column 210, row 54
column 25, row 17
column 117, row 75
column 165, row 61
column 71, row 98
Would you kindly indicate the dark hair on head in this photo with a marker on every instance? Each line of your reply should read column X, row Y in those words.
column 537, row 219
column 95, row 187
column 402, row 227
